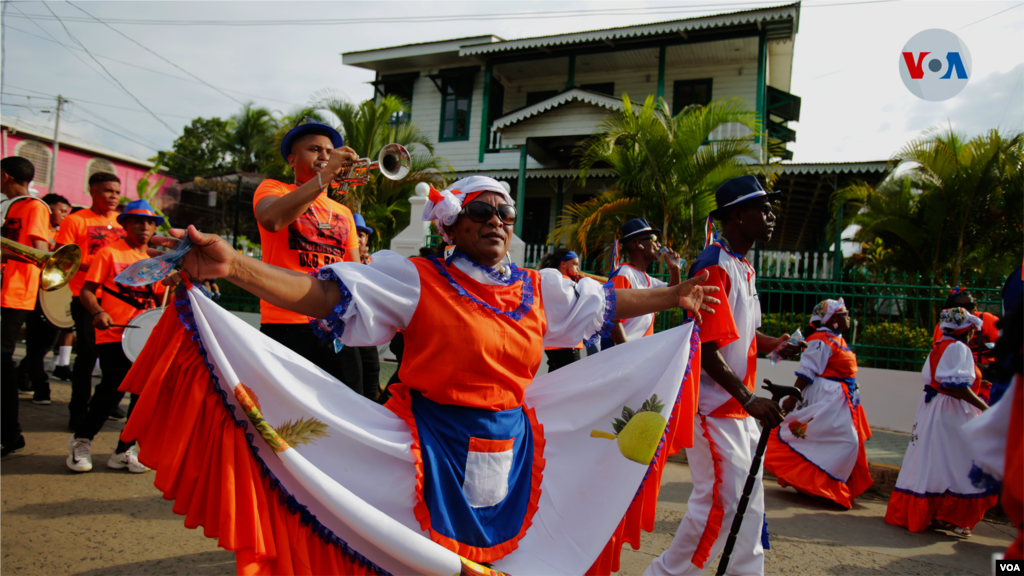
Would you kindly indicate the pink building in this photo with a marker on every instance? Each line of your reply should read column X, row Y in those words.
column 78, row 160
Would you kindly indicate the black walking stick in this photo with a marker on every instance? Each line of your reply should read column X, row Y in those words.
column 778, row 393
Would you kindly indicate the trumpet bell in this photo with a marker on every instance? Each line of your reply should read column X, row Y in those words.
column 56, row 268
column 394, row 161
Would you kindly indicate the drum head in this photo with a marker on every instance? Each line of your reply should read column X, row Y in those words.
column 56, row 307
column 133, row 340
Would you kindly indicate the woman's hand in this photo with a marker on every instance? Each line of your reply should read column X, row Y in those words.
column 693, row 297
column 212, row 256
column 789, row 404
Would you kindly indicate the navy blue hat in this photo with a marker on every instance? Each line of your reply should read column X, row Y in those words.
column 302, row 130
column 737, row 190
column 634, row 228
column 361, row 224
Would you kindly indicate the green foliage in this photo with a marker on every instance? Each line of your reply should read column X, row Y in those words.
column 199, row 151
column 956, row 209
column 779, row 323
column 667, row 167
column 894, row 345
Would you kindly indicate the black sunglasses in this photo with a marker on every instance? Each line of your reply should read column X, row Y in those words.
column 480, row 211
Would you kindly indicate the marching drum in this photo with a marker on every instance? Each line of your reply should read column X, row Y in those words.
column 56, row 305
column 135, row 336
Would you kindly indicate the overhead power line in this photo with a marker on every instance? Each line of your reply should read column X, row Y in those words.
column 534, row 15
column 97, row 104
column 137, row 43
column 112, row 77
column 145, row 68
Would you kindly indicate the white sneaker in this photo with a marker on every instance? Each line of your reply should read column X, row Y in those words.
column 128, row 459
column 79, row 454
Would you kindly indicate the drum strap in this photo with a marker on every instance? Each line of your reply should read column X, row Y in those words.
column 129, row 300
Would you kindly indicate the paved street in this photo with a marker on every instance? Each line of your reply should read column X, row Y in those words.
column 113, row 522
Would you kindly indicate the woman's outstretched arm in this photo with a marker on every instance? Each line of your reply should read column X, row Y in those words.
column 213, row 257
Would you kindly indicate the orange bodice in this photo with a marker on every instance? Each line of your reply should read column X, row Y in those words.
column 843, row 362
column 459, row 352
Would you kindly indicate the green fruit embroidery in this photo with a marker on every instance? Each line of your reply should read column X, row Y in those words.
column 638, row 433
column 287, row 435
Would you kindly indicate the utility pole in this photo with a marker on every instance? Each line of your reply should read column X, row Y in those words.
column 56, row 145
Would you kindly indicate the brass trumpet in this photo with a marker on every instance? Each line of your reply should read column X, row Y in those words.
column 57, row 268
column 393, row 162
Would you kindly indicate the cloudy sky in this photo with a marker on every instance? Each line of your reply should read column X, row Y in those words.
column 156, row 56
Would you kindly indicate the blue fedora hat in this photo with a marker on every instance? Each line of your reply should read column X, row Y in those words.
column 634, row 228
column 738, row 190
column 140, row 208
column 302, row 129
column 361, row 224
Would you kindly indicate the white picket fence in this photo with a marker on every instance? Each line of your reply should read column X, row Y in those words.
column 793, row 264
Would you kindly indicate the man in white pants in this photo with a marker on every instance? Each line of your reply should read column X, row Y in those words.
column 725, row 433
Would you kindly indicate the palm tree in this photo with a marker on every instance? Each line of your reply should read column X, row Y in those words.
column 367, row 128
column 956, row 208
column 668, row 165
column 250, row 138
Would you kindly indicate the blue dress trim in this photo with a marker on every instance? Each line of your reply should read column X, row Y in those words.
column 988, row 492
column 332, row 327
column 184, row 309
column 525, row 302
column 605, row 331
column 778, row 436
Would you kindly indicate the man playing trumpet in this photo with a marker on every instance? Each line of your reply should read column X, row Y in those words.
column 28, row 223
column 302, row 229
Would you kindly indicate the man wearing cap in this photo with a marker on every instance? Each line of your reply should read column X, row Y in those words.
column 26, row 222
column 641, row 244
column 725, row 431
column 368, row 356
column 119, row 305
column 91, row 229
column 302, row 229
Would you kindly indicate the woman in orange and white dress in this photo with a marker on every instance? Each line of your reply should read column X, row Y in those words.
column 819, row 448
column 935, row 484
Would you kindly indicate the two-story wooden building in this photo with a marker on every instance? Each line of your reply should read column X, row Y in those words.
column 515, row 109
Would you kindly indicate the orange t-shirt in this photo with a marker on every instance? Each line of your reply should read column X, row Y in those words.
column 27, row 221
column 108, row 263
column 324, row 234
column 91, row 232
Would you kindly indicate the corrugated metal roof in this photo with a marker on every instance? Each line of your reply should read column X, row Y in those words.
column 767, row 15
column 45, row 133
column 835, row 167
column 555, row 101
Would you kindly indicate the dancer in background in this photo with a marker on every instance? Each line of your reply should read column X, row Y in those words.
column 568, row 264
column 819, row 448
column 933, row 485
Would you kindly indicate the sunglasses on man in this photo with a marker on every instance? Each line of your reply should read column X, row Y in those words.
column 480, row 211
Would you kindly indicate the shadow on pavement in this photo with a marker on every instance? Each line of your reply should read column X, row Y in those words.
column 152, row 507
column 221, row 562
column 29, row 464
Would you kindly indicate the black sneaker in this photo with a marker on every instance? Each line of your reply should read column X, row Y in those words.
column 117, row 414
column 18, row 444
column 40, row 397
column 62, row 373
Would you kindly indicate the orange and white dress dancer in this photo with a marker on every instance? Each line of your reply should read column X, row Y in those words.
column 934, row 482
column 819, row 448
column 472, row 460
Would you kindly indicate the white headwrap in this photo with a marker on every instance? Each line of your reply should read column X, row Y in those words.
column 444, row 206
column 956, row 321
column 826, row 309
